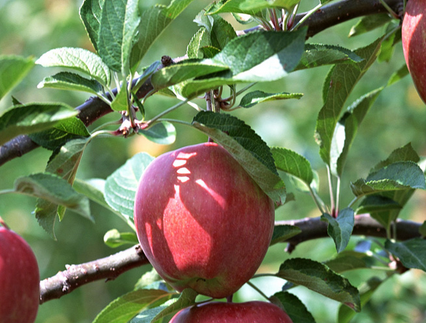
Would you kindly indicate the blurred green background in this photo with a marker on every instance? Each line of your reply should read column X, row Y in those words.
column 30, row 28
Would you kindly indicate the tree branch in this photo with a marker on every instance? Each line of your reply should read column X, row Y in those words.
column 328, row 16
column 111, row 267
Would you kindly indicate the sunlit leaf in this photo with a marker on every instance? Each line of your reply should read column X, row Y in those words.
column 72, row 82
column 78, row 59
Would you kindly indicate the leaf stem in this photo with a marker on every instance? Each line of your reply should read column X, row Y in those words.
column 330, row 188
column 150, row 122
column 308, row 14
column 257, row 289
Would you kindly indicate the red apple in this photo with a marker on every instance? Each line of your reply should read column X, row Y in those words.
column 216, row 312
column 414, row 44
column 19, row 279
column 202, row 221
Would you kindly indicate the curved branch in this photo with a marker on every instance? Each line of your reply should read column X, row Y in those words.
column 328, row 16
column 111, row 267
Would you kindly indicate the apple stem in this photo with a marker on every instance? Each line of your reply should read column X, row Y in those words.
column 3, row 223
column 229, row 298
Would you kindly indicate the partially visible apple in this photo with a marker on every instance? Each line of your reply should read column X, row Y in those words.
column 19, row 279
column 414, row 43
column 202, row 221
column 216, row 312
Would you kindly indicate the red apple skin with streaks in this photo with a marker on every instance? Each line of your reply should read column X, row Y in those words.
column 216, row 312
column 19, row 279
column 202, row 221
column 414, row 43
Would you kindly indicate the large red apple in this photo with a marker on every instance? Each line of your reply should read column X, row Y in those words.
column 414, row 43
column 215, row 312
column 202, row 221
column 19, row 279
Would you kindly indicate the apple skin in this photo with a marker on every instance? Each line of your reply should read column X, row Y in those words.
column 19, row 279
column 414, row 44
column 202, row 221
column 216, row 312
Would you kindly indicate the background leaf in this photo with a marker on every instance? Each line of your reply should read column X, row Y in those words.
column 12, row 70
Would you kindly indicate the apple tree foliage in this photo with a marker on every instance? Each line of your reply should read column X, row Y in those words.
column 221, row 60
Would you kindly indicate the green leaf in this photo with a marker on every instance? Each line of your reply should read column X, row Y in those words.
column 422, row 229
column 251, row 99
column 12, row 70
column 293, row 164
column 200, row 39
column 60, row 133
column 323, row 54
column 121, row 186
column 113, row 238
column 293, row 307
column 396, row 176
column 92, row 189
column 64, row 164
column 231, row 6
column 149, row 278
column 78, row 59
column 368, row 23
column 405, row 153
column 338, row 84
column 163, row 133
column 412, row 253
column 186, row 299
column 346, row 129
column 283, row 233
column 153, row 22
column 398, row 75
column 90, row 14
column 53, row 190
column 72, row 82
column 255, row 57
column 350, row 260
column 121, row 100
column 246, row 147
column 256, row 5
column 29, row 118
column 122, row 309
column 367, row 290
column 340, row 228
column 377, row 203
column 321, row 279
column 177, row 73
column 147, row 316
column 393, row 31
column 117, row 31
